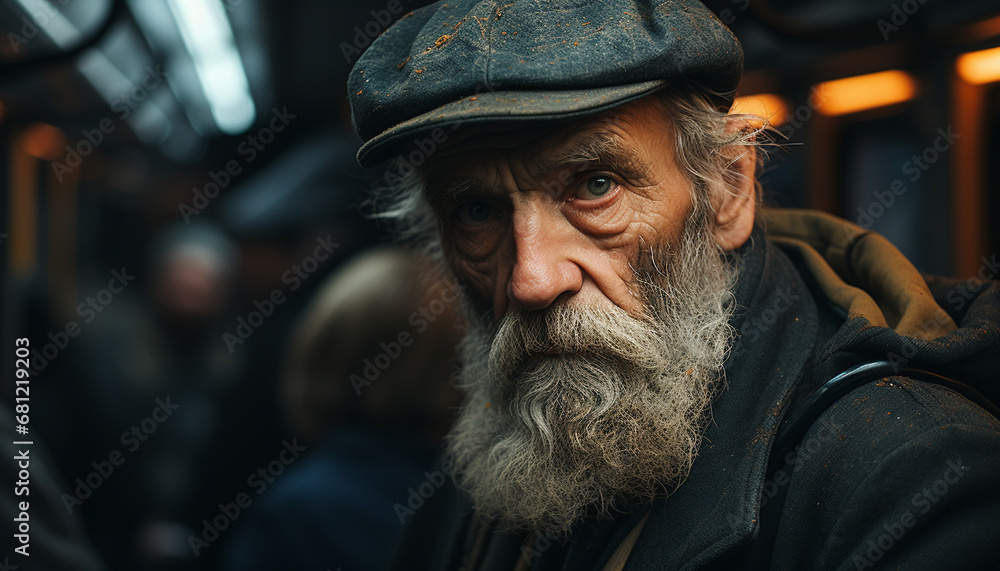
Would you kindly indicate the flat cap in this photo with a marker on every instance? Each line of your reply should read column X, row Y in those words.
column 461, row 62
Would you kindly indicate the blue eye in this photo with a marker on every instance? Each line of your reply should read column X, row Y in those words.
column 595, row 187
column 474, row 213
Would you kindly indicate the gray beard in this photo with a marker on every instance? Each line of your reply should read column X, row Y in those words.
column 543, row 440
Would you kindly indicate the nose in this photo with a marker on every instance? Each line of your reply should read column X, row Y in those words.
column 543, row 266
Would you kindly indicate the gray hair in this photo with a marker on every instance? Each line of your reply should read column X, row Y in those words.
column 703, row 146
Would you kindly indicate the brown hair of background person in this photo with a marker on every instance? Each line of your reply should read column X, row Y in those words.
column 367, row 389
column 385, row 306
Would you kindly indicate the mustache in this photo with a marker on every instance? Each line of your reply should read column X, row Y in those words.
column 600, row 332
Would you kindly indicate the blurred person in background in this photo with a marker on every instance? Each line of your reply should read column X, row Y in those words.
column 155, row 375
column 367, row 391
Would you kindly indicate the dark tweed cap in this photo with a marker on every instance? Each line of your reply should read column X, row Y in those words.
column 475, row 61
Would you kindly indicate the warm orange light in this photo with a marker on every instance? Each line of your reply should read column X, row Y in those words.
column 43, row 141
column 767, row 105
column 862, row 92
column 979, row 67
column 982, row 30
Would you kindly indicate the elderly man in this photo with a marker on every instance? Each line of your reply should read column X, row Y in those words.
column 641, row 327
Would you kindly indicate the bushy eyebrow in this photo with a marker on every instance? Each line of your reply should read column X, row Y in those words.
column 448, row 188
column 598, row 147
column 586, row 150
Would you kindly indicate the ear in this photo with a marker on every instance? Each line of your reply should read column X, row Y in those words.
column 735, row 201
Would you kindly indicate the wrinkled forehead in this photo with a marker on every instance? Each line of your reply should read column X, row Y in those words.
column 622, row 138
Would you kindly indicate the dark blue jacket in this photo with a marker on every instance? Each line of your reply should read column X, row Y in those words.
column 334, row 508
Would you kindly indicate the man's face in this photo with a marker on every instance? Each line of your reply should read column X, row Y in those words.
column 600, row 315
column 529, row 216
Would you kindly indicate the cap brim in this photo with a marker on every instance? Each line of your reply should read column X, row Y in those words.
column 502, row 107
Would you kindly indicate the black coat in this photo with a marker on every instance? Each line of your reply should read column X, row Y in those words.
column 899, row 474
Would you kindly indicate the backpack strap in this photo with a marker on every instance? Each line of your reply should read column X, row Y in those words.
column 801, row 418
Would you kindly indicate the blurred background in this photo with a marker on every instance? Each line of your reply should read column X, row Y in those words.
column 179, row 183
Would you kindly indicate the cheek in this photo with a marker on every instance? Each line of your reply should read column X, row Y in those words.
column 475, row 244
column 606, row 218
column 475, row 259
column 609, row 239
column 638, row 220
column 641, row 221
column 663, row 213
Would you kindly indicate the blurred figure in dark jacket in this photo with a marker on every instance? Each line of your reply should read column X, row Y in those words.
column 155, row 382
column 366, row 386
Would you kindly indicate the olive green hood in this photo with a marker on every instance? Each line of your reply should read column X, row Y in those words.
column 891, row 311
